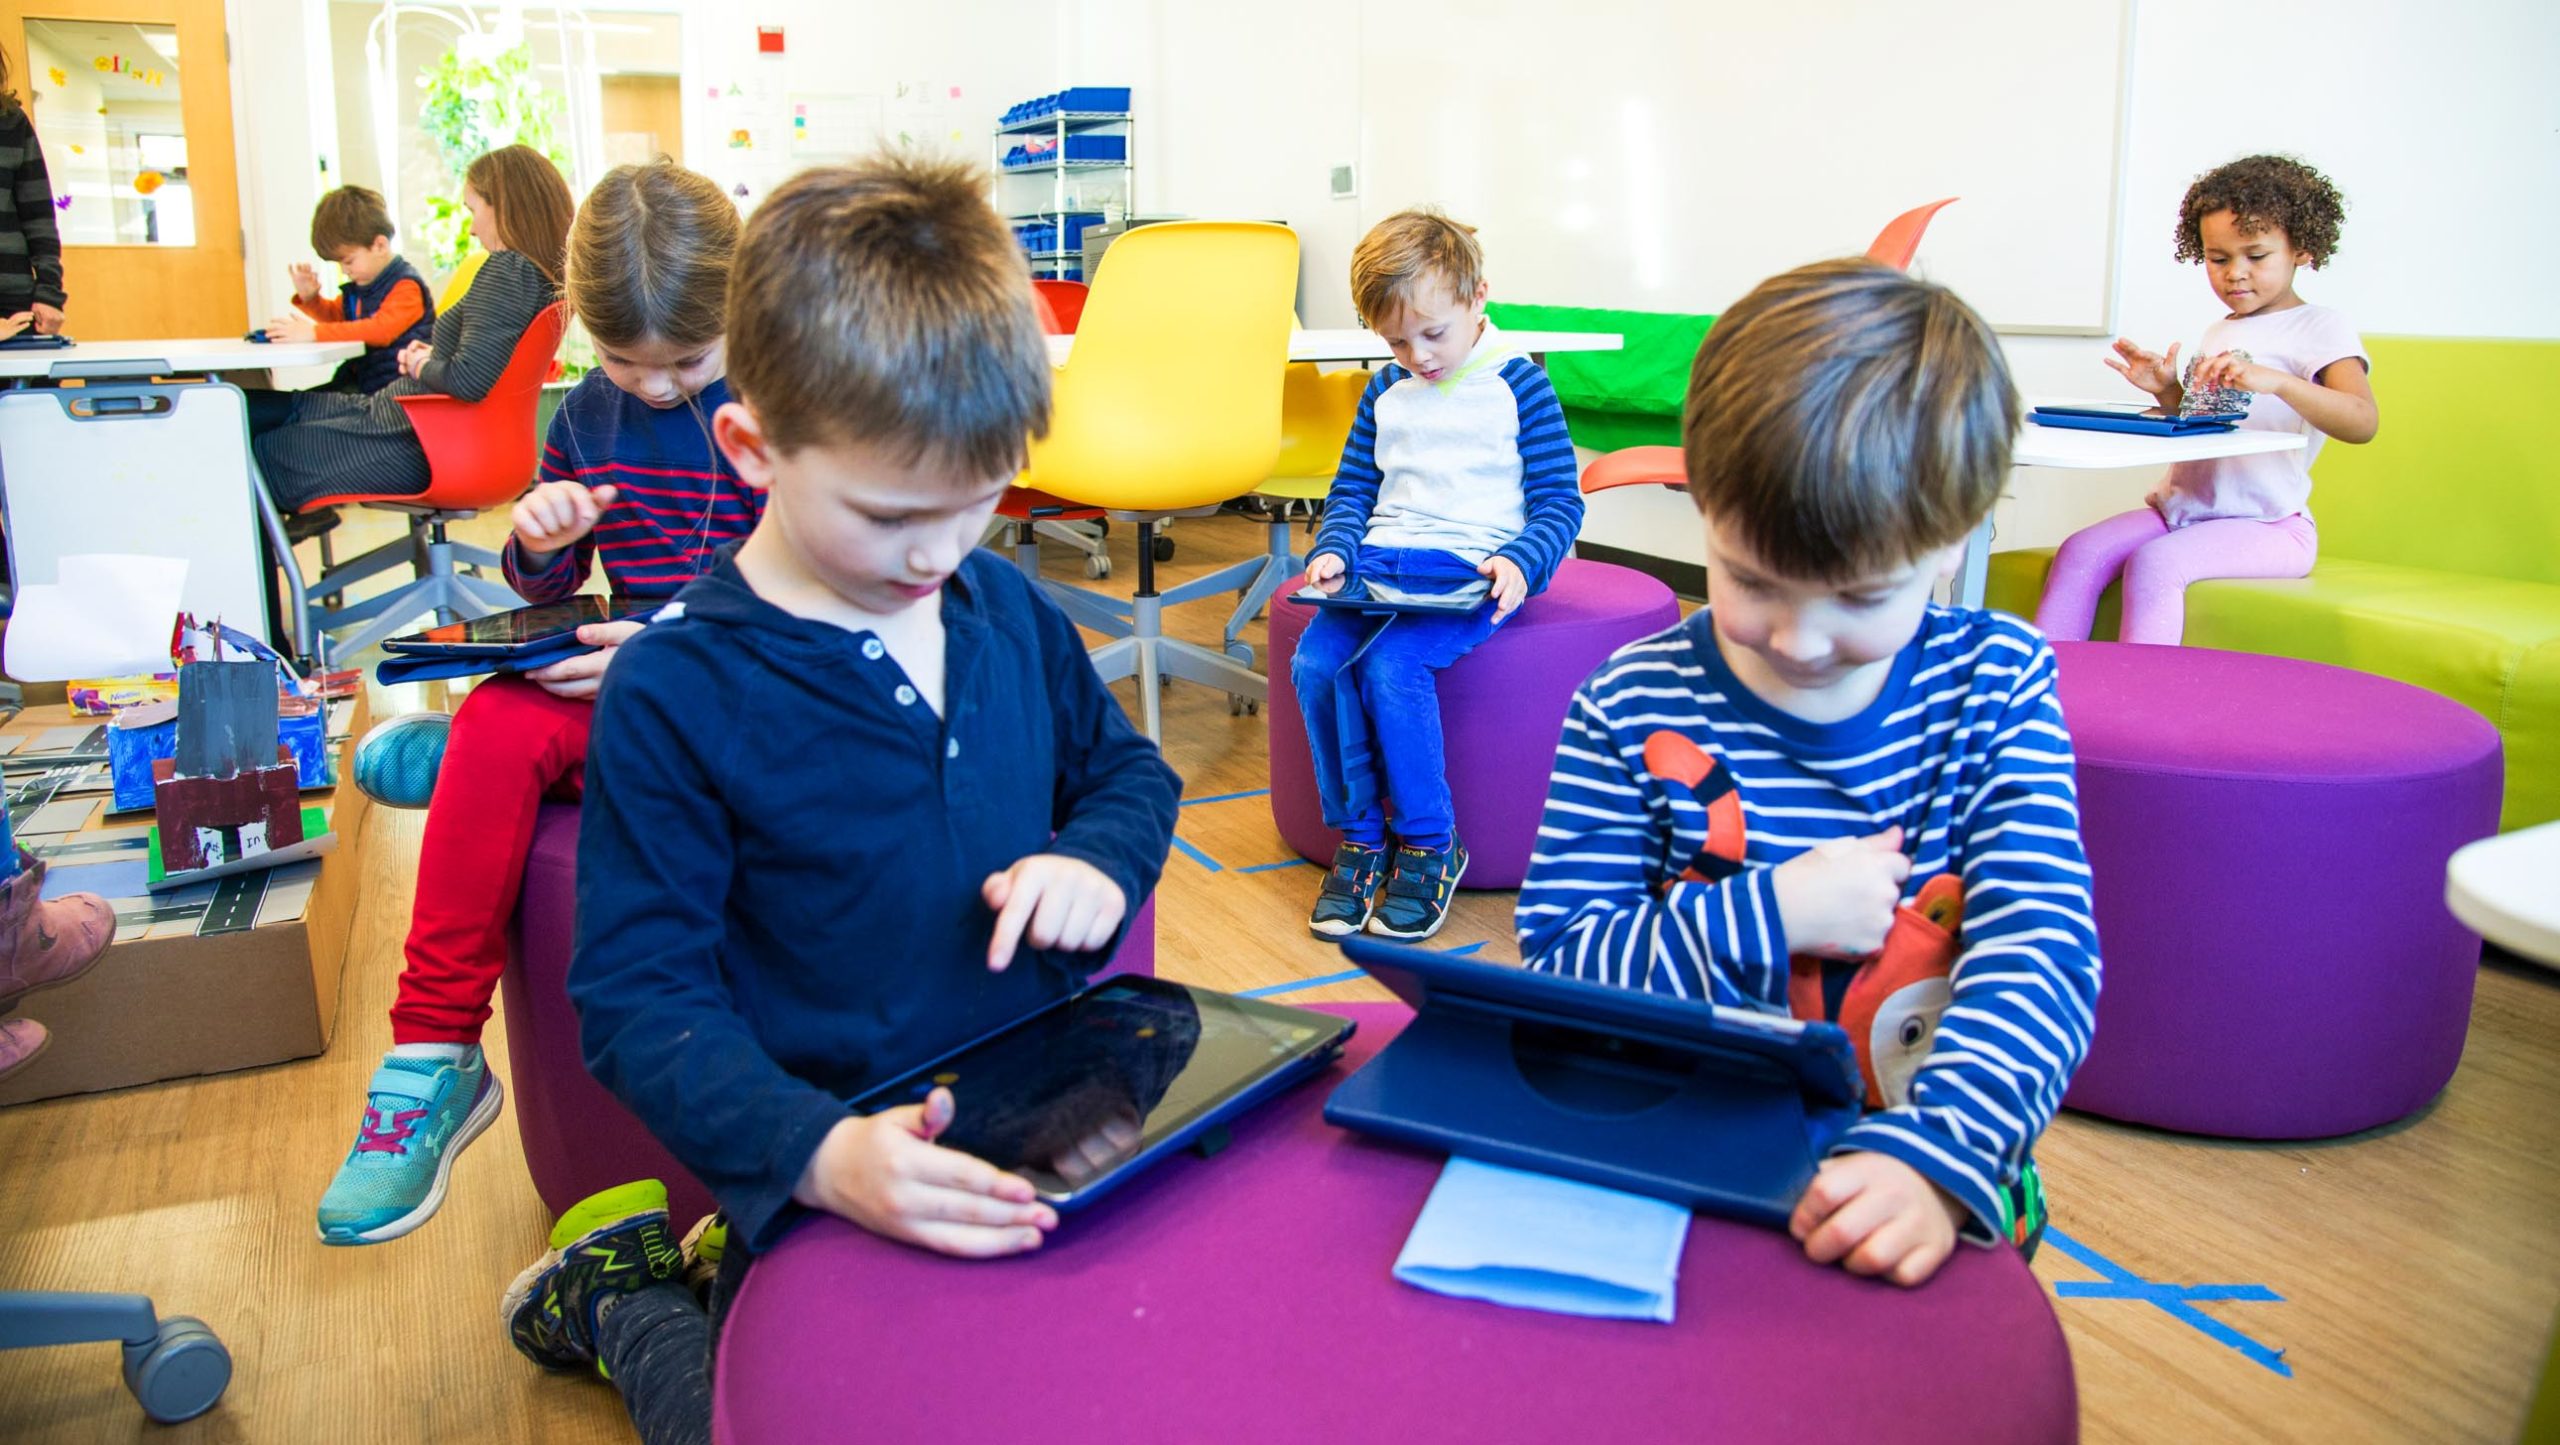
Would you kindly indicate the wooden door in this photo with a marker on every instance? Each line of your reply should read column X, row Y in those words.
column 132, row 104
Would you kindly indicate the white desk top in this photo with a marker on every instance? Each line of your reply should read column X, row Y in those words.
column 2508, row 887
column 2055, row 446
column 1356, row 345
column 105, row 359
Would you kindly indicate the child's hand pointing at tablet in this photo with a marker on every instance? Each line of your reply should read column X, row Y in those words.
column 1050, row 900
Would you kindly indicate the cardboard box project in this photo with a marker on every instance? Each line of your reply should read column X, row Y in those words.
column 202, row 979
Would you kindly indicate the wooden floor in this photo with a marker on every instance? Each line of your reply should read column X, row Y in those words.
column 2415, row 1264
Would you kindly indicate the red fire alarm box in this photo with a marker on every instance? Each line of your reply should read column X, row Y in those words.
column 768, row 40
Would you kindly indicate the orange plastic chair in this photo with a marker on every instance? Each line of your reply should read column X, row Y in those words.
column 1895, row 245
column 480, row 454
column 1025, row 515
column 1899, row 241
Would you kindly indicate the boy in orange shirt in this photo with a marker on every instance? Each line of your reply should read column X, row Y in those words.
column 385, row 303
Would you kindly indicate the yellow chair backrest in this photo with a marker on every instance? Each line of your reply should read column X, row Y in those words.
column 1316, row 412
column 1171, row 396
column 460, row 281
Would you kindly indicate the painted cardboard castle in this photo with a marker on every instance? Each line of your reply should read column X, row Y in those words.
column 232, row 791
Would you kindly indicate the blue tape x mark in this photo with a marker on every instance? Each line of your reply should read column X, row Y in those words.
column 2176, row 1300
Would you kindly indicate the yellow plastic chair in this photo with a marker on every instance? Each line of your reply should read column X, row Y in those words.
column 460, row 281
column 1169, row 404
column 1316, row 412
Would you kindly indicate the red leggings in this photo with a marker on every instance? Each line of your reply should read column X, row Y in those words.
column 513, row 747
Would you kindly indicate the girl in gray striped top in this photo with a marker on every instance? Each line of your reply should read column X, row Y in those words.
column 30, row 245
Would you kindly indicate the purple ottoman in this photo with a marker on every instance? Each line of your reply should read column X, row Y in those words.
column 577, row 1137
column 2267, row 840
column 1246, row 1298
column 1501, row 711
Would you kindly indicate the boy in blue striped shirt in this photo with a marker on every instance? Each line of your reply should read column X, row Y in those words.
column 1824, row 796
column 1458, row 472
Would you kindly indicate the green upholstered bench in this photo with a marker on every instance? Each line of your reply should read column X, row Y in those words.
column 2439, row 552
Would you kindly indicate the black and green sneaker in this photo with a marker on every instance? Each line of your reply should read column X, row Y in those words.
column 1350, row 891
column 2023, row 1205
column 1418, row 891
column 609, row 1243
column 704, row 1244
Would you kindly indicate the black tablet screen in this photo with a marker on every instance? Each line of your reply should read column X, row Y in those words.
column 1074, row 1092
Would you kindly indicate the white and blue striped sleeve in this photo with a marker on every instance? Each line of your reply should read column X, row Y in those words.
column 1550, row 484
column 1356, row 479
column 2025, row 988
column 1595, row 905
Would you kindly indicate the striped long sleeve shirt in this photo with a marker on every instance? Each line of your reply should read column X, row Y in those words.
column 677, row 501
column 1965, row 749
column 30, row 243
column 1478, row 464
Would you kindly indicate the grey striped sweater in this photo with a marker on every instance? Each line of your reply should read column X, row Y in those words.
column 30, row 245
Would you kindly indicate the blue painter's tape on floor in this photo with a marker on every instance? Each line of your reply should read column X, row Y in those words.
column 1275, row 867
column 1196, row 856
column 1463, row 952
column 2175, row 1300
column 1226, row 797
column 1267, row 990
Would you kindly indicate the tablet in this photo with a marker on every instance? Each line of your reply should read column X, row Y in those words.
column 33, row 341
column 503, row 632
column 1361, row 596
column 2134, row 417
column 1082, row 1095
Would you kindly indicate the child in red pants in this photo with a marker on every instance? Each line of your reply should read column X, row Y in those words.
column 629, row 478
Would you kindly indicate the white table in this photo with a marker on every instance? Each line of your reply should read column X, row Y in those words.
column 2090, row 451
column 2508, row 888
column 200, row 356
column 1357, row 345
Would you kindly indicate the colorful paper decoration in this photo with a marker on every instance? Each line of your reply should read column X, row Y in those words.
column 768, row 40
column 54, row 74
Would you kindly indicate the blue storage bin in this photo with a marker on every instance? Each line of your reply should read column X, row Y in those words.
column 1108, row 98
column 1097, row 148
column 1071, row 228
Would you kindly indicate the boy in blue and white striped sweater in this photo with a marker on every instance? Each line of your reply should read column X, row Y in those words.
column 1458, row 468
column 1822, row 795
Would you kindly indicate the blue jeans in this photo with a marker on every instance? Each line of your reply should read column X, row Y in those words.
column 1372, row 704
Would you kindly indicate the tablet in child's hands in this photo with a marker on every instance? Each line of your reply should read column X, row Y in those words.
column 505, row 632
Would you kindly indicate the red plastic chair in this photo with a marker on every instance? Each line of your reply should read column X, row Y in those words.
column 1028, row 514
column 1065, row 300
column 1895, row 245
column 480, row 454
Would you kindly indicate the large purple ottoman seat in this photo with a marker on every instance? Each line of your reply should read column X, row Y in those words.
column 1501, row 711
column 577, row 1137
column 2267, row 839
column 1246, row 1298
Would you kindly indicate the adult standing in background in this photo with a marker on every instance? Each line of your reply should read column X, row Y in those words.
column 30, row 244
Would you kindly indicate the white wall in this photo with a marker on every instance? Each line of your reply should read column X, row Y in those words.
column 284, row 128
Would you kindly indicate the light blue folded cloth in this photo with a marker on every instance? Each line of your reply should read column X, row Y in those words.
column 1537, row 1242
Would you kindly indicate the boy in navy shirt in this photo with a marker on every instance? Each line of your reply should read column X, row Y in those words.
column 861, row 800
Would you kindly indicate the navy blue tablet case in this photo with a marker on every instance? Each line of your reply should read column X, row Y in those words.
column 2079, row 418
column 1720, row 1110
column 429, row 663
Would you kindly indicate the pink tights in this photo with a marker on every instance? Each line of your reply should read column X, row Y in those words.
column 2158, row 563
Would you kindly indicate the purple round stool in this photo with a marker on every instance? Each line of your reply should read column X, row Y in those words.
column 2267, row 840
column 1246, row 1298
column 1501, row 711
column 577, row 1137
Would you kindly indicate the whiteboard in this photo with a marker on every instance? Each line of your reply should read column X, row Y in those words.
column 1667, row 156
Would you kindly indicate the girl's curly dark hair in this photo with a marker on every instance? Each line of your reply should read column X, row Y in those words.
column 2265, row 193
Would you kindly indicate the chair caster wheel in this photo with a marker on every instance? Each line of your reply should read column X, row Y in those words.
column 1241, row 651
column 181, row 1373
column 1164, row 549
column 1242, row 706
column 1097, row 567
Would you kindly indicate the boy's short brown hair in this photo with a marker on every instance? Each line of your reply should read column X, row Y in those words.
column 348, row 219
column 883, row 303
column 1844, row 419
column 1407, row 253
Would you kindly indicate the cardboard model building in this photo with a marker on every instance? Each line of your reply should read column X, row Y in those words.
column 232, row 792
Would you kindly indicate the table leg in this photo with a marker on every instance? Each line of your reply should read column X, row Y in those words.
column 1974, row 580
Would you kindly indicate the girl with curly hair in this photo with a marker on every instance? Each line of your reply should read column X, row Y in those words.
column 2279, row 361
